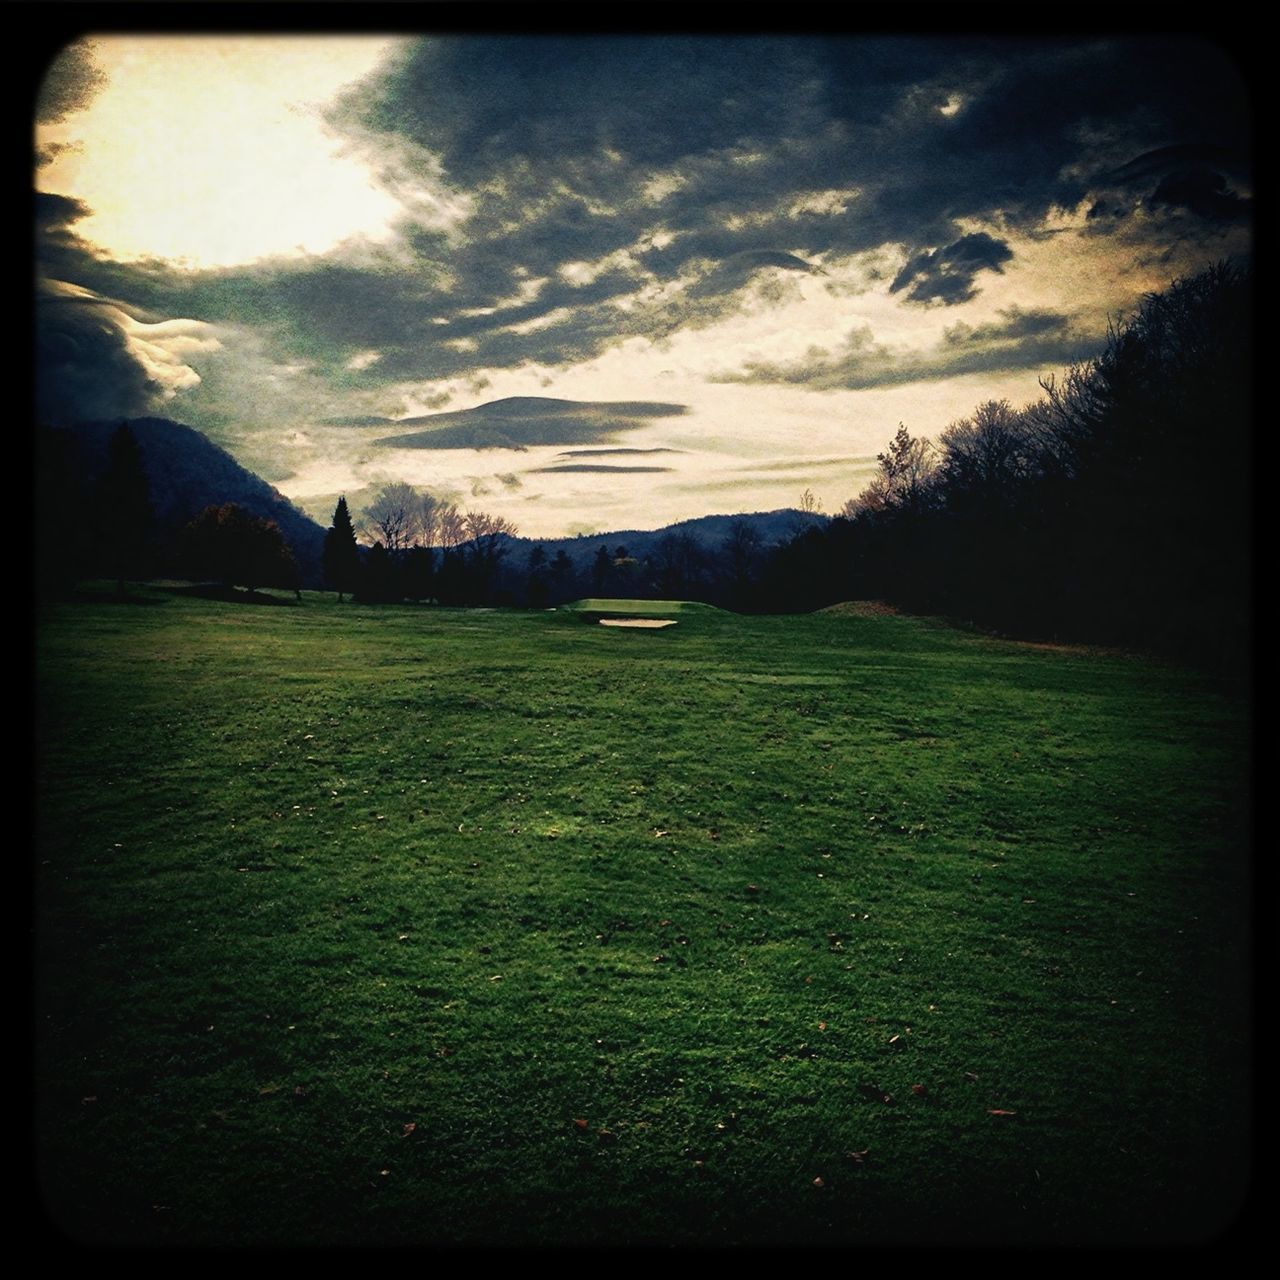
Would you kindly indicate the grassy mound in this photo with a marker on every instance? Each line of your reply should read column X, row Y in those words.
column 608, row 608
column 861, row 609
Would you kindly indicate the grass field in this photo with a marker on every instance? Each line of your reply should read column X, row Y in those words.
column 401, row 925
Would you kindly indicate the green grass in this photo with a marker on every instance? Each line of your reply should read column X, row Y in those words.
column 611, row 608
column 346, row 916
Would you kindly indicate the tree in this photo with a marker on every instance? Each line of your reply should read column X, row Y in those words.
column 377, row 582
column 906, row 469
column 452, row 529
column 430, row 510
column 988, row 455
column 487, row 537
column 124, row 507
column 562, row 577
column 600, row 570
column 341, row 556
column 537, row 587
column 394, row 516
column 234, row 546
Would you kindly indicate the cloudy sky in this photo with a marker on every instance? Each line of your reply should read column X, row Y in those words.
column 744, row 260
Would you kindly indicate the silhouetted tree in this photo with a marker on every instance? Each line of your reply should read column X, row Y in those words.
column 600, row 571
column 537, row 587
column 417, row 573
column 563, row 578
column 124, row 508
column 234, row 546
column 394, row 516
column 61, row 543
column 341, row 556
column 378, row 578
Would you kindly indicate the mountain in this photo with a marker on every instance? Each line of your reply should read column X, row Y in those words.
column 709, row 532
column 519, row 422
column 187, row 472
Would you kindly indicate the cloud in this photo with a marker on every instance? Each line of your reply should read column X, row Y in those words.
column 70, row 84
column 95, row 360
column 1017, row 340
column 55, row 213
column 946, row 275
column 606, row 190
column 588, row 466
column 521, row 422
column 610, row 453
column 84, row 368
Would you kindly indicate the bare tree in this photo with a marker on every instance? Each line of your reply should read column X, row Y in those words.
column 479, row 524
column 990, row 453
column 430, row 509
column 907, row 471
column 810, row 504
column 452, row 528
column 393, row 517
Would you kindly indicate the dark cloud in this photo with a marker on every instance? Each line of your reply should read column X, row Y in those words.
column 84, row 368
column 617, row 188
column 611, row 453
column 56, row 213
column 1210, row 182
column 946, row 275
column 1202, row 192
column 70, row 84
column 1019, row 340
column 1014, row 325
column 521, row 422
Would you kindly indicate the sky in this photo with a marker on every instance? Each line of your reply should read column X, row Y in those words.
column 742, row 260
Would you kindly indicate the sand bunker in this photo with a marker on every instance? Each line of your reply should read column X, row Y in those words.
column 637, row 622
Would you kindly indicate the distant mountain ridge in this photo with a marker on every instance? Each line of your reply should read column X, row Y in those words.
column 709, row 532
column 187, row 472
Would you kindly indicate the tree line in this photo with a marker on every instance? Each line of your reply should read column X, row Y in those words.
column 1114, row 509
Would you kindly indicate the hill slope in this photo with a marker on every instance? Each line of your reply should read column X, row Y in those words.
column 187, row 472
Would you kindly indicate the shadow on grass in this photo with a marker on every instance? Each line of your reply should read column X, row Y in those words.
column 87, row 595
column 230, row 595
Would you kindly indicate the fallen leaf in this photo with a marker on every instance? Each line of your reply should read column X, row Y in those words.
column 969, row 1075
column 84, row 1102
column 408, row 1129
column 818, row 1182
column 582, row 1124
column 996, row 1111
column 822, row 1026
column 920, row 1091
column 753, row 888
column 858, row 1157
column 894, row 1039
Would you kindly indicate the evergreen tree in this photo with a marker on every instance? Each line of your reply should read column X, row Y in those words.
column 600, row 570
column 124, row 508
column 341, row 558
